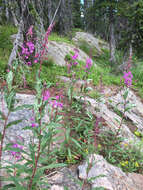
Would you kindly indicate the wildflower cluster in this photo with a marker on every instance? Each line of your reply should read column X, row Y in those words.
column 128, row 78
column 46, row 95
column 88, row 64
column 55, row 103
column 73, row 60
column 28, row 49
column 16, row 155
column 34, row 124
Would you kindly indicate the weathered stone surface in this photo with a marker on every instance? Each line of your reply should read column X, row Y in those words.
column 91, row 40
column 103, row 174
column 110, row 119
column 25, row 114
column 137, row 179
column 15, row 133
column 57, row 187
column 58, row 50
column 65, row 177
column 136, row 113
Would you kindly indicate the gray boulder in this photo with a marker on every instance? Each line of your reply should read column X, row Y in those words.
column 103, row 174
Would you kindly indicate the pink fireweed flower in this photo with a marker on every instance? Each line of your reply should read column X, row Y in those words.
column 29, row 63
column 33, row 122
column 75, row 56
column 75, row 63
column 34, row 125
column 46, row 95
column 25, row 51
column 37, row 55
column 32, row 118
column 30, row 46
column 30, row 31
column 17, row 155
column 88, row 64
column 35, row 61
column 56, row 104
column 128, row 78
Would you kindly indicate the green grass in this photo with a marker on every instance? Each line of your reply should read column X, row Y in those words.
column 129, row 159
column 110, row 73
column 57, row 38
column 5, row 45
column 88, row 49
column 137, row 72
column 49, row 73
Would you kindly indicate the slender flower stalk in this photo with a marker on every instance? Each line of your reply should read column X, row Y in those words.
column 45, row 46
column 128, row 82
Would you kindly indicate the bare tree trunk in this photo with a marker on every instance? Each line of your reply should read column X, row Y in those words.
column 6, row 10
column 18, row 42
column 50, row 16
column 14, row 18
column 112, row 43
column 21, row 32
column 70, row 13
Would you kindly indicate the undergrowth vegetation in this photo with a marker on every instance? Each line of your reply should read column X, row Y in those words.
column 5, row 46
column 130, row 159
column 72, row 131
column 110, row 73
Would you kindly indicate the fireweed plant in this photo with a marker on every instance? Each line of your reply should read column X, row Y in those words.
column 27, row 54
column 126, row 105
column 27, row 170
column 80, row 130
column 71, row 69
column 78, row 123
column 86, row 75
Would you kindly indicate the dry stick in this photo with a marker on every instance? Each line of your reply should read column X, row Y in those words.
column 46, row 37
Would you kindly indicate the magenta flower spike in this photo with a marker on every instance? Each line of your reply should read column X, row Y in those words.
column 75, row 56
column 88, row 64
column 46, row 95
column 128, row 78
column 30, row 31
column 17, row 155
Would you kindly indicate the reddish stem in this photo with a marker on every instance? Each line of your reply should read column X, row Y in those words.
column 121, row 119
column 36, row 164
column 2, row 140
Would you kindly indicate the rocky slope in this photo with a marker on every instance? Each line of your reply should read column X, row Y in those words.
column 114, row 178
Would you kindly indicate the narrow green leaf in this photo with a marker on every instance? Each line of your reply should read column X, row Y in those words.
column 76, row 143
column 125, row 94
column 13, row 123
column 51, row 166
column 5, row 187
column 69, row 153
column 27, row 106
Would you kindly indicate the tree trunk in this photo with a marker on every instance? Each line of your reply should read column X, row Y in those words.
column 64, row 20
column 112, row 43
column 50, row 15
